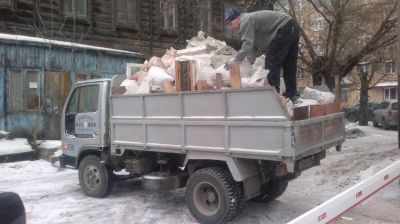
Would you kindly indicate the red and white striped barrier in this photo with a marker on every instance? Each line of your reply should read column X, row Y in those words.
column 332, row 209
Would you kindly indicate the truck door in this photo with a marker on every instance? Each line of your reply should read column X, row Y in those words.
column 82, row 119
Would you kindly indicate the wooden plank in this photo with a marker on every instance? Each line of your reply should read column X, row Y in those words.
column 183, row 76
column 178, row 81
column 331, row 108
column 300, row 113
column 235, row 76
column 192, row 78
column 218, row 81
column 317, row 110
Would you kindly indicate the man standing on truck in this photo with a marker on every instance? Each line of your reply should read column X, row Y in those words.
column 276, row 32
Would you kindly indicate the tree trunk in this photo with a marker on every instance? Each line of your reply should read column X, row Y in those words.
column 363, row 112
column 317, row 79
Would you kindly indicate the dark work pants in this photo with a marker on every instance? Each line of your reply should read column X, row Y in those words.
column 283, row 53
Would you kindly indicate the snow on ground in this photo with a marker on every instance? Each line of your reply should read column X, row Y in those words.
column 52, row 195
column 50, row 144
column 18, row 145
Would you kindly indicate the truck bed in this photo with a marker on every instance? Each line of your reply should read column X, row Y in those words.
column 246, row 123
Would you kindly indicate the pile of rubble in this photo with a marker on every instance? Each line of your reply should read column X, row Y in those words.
column 209, row 57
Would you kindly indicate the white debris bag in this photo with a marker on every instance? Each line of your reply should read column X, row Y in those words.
column 131, row 86
column 319, row 96
column 145, row 86
column 158, row 75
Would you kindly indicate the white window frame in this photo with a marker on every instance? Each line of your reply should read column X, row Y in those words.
column 318, row 25
column 301, row 74
column 387, row 93
column 318, row 48
column 390, row 67
column 300, row 5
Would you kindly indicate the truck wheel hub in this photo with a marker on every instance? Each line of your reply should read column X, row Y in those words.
column 206, row 199
column 92, row 177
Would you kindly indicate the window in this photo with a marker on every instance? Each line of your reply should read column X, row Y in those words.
column 389, row 12
column 32, row 90
column 301, row 49
column 318, row 24
column 168, row 14
column 301, row 23
column 23, row 90
column 365, row 68
column 282, row 6
column 318, row 48
column 126, row 13
column 84, row 99
column 363, row 41
column 300, row 73
column 390, row 93
column 202, row 9
column 76, row 8
column 390, row 67
column 300, row 5
column 394, row 106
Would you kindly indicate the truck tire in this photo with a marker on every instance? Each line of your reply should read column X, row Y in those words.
column 385, row 124
column 375, row 123
column 271, row 190
column 95, row 178
column 213, row 196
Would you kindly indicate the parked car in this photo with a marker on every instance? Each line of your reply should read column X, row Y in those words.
column 386, row 114
column 12, row 210
column 352, row 113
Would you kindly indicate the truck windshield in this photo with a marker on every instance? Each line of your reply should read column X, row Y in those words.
column 84, row 99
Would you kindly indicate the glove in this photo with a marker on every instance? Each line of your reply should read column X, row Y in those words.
column 227, row 64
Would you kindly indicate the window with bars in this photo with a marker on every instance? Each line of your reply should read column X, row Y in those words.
column 76, row 8
column 168, row 15
column 126, row 13
column 23, row 90
column 202, row 15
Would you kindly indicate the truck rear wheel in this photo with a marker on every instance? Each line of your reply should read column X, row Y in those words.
column 271, row 190
column 95, row 178
column 213, row 196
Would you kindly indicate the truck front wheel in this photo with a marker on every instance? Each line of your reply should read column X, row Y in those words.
column 272, row 190
column 95, row 178
column 213, row 196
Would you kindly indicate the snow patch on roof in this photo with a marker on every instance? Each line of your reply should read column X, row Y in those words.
column 386, row 84
column 4, row 36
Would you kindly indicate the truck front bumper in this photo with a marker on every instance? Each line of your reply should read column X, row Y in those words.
column 67, row 161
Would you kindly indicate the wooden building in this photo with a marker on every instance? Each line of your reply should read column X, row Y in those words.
column 149, row 27
column 36, row 76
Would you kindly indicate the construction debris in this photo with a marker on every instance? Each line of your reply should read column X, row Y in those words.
column 203, row 66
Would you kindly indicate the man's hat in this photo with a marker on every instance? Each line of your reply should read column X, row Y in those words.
column 230, row 15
